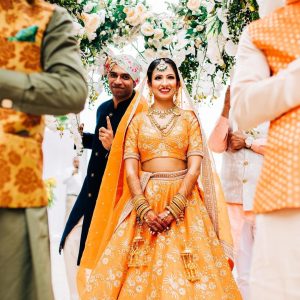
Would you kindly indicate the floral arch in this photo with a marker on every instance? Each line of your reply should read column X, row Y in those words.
column 200, row 35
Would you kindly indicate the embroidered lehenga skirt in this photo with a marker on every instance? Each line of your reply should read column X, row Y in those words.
column 162, row 271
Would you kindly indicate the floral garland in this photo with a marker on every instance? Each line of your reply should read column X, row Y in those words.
column 213, row 29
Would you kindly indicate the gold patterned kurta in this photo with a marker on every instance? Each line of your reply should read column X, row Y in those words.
column 21, row 134
column 164, row 275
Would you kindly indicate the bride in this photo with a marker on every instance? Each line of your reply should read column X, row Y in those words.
column 164, row 236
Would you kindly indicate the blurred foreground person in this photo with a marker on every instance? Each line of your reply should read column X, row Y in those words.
column 266, row 87
column 40, row 73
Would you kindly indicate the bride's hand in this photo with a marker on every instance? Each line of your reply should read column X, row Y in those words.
column 155, row 223
column 167, row 217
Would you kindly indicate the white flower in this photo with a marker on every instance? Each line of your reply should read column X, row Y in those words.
column 230, row 48
column 221, row 14
column 99, row 87
column 77, row 29
column 139, row 289
column 167, row 23
column 158, row 33
column 157, row 44
column 149, row 53
column 140, row 9
column 91, row 24
column 88, row 7
column 147, row 29
column 133, row 17
column 91, row 36
column 193, row 4
column 210, row 68
column 199, row 27
column 225, row 30
column 210, row 6
column 213, row 51
column 167, row 41
column 102, row 14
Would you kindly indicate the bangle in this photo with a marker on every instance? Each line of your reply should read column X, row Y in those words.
column 141, row 206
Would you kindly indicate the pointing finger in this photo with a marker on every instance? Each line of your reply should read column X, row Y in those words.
column 109, row 127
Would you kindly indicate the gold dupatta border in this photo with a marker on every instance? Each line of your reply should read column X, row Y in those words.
column 213, row 194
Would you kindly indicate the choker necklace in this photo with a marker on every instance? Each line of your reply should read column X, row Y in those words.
column 162, row 113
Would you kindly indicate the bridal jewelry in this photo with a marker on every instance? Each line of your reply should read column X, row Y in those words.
column 162, row 66
column 139, row 250
column 162, row 113
column 167, row 128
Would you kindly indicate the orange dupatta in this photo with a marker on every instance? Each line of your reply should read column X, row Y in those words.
column 112, row 197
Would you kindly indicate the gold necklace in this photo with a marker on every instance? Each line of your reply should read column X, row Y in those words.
column 167, row 128
column 162, row 114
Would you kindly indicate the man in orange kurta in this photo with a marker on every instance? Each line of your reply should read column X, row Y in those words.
column 266, row 87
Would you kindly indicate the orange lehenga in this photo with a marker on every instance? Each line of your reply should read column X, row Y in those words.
column 157, row 269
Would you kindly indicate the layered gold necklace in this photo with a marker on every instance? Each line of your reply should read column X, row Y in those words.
column 173, row 114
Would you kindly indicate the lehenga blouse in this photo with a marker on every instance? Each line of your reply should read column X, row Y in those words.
column 145, row 142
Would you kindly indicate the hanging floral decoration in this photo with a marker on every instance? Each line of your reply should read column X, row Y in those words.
column 213, row 29
column 69, row 123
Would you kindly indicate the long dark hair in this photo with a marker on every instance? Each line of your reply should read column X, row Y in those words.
column 156, row 62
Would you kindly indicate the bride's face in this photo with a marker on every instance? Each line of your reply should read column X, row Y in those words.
column 164, row 84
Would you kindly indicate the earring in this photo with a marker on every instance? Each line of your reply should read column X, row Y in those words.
column 150, row 98
column 175, row 98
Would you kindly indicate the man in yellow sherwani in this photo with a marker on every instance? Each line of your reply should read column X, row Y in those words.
column 266, row 86
column 40, row 73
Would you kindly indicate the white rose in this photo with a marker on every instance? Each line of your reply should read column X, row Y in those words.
column 147, row 29
column 167, row 41
column 167, row 23
column 157, row 44
column 134, row 21
column 230, row 48
column 91, row 22
column 140, row 9
column 133, row 17
column 193, row 4
column 158, row 33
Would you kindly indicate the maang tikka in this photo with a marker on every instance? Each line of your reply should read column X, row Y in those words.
column 162, row 66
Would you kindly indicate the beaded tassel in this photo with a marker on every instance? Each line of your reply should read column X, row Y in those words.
column 138, row 254
column 190, row 266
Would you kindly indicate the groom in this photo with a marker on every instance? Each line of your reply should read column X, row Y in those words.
column 123, row 75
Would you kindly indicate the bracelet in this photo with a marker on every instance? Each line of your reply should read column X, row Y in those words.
column 141, row 206
column 177, row 206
